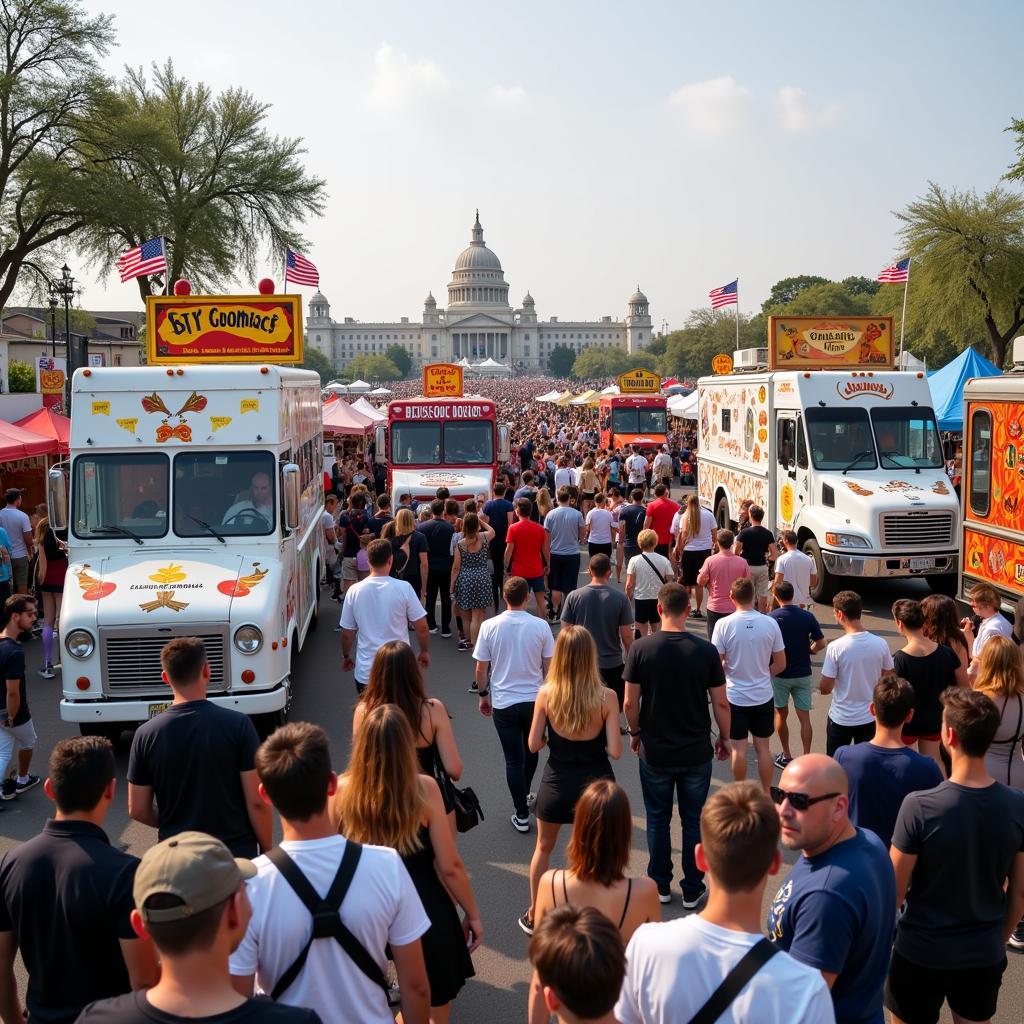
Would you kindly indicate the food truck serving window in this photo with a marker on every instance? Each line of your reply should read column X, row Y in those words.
column 120, row 495
column 981, row 461
column 229, row 492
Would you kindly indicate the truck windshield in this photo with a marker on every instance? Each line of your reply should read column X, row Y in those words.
column 907, row 438
column 469, row 441
column 465, row 442
column 230, row 491
column 838, row 436
column 638, row 421
column 416, row 444
column 120, row 492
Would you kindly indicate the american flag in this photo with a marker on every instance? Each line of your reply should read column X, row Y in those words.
column 727, row 295
column 148, row 258
column 299, row 270
column 897, row 273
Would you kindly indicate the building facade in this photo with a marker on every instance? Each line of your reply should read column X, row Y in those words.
column 477, row 323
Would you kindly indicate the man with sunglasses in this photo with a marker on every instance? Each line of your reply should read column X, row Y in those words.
column 832, row 913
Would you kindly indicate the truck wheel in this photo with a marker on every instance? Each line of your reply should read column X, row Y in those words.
column 944, row 584
column 828, row 584
column 722, row 513
column 266, row 723
column 108, row 730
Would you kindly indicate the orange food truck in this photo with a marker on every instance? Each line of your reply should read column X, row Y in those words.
column 637, row 416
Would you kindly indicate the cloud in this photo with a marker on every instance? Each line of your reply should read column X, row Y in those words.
column 399, row 79
column 797, row 117
column 717, row 106
column 506, row 97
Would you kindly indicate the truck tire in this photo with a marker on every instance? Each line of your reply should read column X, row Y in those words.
column 827, row 585
column 108, row 730
column 944, row 584
column 722, row 513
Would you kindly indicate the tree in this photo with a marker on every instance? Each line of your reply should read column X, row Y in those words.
column 21, row 377
column 1016, row 171
column 52, row 97
column 786, row 290
column 560, row 360
column 860, row 285
column 401, row 358
column 826, row 298
column 601, row 362
column 968, row 264
column 314, row 359
column 707, row 333
column 203, row 171
column 371, row 367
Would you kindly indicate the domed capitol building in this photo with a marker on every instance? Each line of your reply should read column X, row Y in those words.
column 477, row 324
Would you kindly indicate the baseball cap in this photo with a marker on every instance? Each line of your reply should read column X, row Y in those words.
column 195, row 867
column 12, row 493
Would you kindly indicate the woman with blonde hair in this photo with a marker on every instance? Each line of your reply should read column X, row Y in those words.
column 409, row 548
column 1001, row 677
column 645, row 576
column 51, row 570
column 579, row 716
column 544, row 504
column 383, row 799
column 588, row 484
column 698, row 534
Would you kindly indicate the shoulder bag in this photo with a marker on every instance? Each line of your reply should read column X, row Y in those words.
column 722, row 998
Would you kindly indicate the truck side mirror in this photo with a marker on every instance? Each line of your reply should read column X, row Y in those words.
column 379, row 439
column 57, row 498
column 504, row 445
column 290, row 495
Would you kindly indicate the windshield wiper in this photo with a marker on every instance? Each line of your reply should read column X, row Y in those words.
column 117, row 529
column 901, row 455
column 208, row 527
column 858, row 457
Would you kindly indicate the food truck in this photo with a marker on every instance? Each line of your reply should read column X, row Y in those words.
column 836, row 446
column 442, row 438
column 192, row 500
column 637, row 415
column 992, row 492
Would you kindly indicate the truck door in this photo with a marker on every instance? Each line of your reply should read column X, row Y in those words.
column 790, row 470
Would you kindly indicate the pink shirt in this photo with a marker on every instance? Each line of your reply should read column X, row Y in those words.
column 717, row 575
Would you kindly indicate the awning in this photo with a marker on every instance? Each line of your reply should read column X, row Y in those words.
column 551, row 396
column 340, row 418
column 612, row 389
column 363, row 406
column 18, row 443
column 684, row 406
column 359, row 387
column 947, row 387
column 381, row 392
column 587, row 398
column 50, row 424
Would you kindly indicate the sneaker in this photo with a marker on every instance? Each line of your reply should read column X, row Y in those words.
column 464, row 644
column 448, row 634
column 664, row 894
column 435, row 631
column 8, row 791
column 526, row 922
column 781, row 761
column 519, row 824
column 698, row 614
column 1016, row 940
column 695, row 902
column 30, row 781
column 47, row 671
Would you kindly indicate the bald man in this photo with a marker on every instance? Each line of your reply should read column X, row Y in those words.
column 831, row 912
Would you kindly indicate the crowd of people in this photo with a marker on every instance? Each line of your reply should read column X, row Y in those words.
column 686, row 643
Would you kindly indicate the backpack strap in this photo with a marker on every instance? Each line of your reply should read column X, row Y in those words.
column 327, row 921
column 722, row 998
column 653, row 567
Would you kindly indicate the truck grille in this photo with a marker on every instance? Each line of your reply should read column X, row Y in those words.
column 131, row 663
column 900, row 529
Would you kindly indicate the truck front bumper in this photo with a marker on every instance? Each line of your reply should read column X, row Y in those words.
column 140, row 709
column 874, row 566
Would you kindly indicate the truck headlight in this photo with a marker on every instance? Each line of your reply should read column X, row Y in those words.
column 80, row 643
column 248, row 639
column 845, row 540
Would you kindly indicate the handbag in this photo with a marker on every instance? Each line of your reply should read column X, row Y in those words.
column 468, row 812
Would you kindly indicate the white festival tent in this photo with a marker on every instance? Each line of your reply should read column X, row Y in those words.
column 337, row 389
column 612, row 389
column 492, row 368
column 381, row 392
column 363, row 406
column 684, row 406
column 359, row 387
column 551, row 396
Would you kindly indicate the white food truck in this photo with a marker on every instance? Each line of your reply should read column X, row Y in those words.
column 848, row 459
column 192, row 498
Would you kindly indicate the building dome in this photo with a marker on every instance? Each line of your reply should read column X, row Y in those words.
column 430, row 300
column 638, row 296
column 477, row 256
column 477, row 280
column 528, row 299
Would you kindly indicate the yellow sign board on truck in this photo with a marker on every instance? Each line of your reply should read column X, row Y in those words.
column 830, row 342
column 442, row 380
column 639, row 382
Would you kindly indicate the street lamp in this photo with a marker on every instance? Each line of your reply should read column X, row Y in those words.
column 54, row 302
column 63, row 289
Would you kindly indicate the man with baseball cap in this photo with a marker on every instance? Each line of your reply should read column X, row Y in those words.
column 190, row 900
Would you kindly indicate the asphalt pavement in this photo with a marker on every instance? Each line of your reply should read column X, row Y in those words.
column 496, row 856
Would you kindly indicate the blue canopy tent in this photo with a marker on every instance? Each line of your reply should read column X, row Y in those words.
column 947, row 387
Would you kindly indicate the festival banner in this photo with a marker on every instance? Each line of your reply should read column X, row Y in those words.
column 224, row 328
column 51, row 380
column 442, row 380
column 830, row 342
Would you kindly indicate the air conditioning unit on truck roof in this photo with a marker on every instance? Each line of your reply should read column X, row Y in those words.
column 750, row 359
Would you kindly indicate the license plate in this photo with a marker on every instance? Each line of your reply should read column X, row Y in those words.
column 917, row 564
column 155, row 709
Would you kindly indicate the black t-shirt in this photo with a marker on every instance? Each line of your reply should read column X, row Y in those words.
column 929, row 675
column 66, row 895
column 377, row 523
column 12, row 666
column 497, row 510
column 674, row 672
column 633, row 516
column 438, row 534
column 192, row 755
column 356, row 523
column 755, row 540
column 965, row 841
column 134, row 1008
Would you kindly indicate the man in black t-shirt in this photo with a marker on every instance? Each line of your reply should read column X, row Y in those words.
column 438, row 533
column 670, row 677
column 381, row 517
column 16, row 728
column 193, row 766
column 757, row 546
column 631, row 522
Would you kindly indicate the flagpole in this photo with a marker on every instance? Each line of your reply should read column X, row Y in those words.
column 167, row 267
column 737, row 314
column 903, row 317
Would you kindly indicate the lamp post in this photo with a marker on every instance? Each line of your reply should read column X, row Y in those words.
column 54, row 302
column 64, row 289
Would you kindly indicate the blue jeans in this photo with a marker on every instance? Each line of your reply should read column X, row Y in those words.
column 513, row 725
column 690, row 786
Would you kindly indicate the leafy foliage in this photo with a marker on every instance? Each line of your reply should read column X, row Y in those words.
column 688, row 352
column 371, row 367
column 786, row 290
column 610, row 362
column 826, row 298
column 400, row 357
column 21, row 377
column 314, row 359
column 560, row 361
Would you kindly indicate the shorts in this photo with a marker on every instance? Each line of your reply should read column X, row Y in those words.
column 565, row 572
column 19, row 572
column 909, row 740
column 349, row 570
column 915, row 993
column 758, row 721
column 536, row 584
column 599, row 549
column 759, row 576
column 24, row 734
column 646, row 610
column 799, row 688
column 587, row 495
column 693, row 562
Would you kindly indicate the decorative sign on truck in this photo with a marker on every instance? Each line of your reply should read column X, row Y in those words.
column 442, row 380
column 721, row 364
column 639, row 382
column 224, row 329
column 832, row 342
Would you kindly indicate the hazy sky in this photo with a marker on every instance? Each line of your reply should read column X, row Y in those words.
column 676, row 145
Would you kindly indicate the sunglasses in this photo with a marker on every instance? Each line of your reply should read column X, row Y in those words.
column 798, row 801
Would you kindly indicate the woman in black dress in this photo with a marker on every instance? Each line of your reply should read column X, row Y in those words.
column 580, row 717
column 383, row 799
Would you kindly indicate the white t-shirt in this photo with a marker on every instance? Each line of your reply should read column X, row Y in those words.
column 796, row 568
column 636, row 465
column 647, row 582
column 672, row 968
column 565, row 477
column 994, row 625
column 856, row 661
column 17, row 524
column 600, row 522
column 379, row 609
column 515, row 643
column 702, row 541
column 381, row 907
column 748, row 640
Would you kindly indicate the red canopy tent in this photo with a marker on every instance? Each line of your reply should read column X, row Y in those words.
column 48, row 424
column 340, row 418
column 18, row 443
